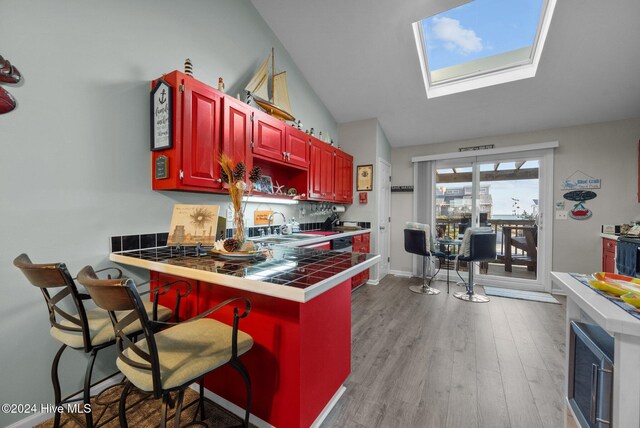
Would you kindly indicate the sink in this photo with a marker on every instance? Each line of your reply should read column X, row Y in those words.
column 278, row 239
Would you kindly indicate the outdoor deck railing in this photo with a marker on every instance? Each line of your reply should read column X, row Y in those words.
column 454, row 227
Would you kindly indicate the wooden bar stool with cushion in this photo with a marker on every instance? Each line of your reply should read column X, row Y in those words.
column 478, row 245
column 169, row 360
column 79, row 328
column 417, row 240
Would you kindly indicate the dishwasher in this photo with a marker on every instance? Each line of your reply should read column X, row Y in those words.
column 342, row 244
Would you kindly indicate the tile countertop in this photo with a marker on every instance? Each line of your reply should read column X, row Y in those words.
column 605, row 313
column 284, row 271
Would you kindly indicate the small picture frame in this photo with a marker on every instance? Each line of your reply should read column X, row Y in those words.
column 264, row 185
column 365, row 178
column 161, row 116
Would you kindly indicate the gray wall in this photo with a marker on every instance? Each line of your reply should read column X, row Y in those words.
column 358, row 138
column 607, row 150
column 75, row 163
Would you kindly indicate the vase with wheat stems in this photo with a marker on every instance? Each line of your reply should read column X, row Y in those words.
column 234, row 175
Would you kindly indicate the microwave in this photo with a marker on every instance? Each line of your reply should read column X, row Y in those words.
column 590, row 392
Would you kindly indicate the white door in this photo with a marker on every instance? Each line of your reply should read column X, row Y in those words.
column 384, row 217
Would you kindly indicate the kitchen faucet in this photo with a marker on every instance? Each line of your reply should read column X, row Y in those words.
column 283, row 227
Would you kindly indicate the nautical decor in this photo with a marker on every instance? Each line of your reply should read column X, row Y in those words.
column 161, row 116
column 188, row 67
column 579, row 211
column 582, row 181
column 277, row 105
column 8, row 74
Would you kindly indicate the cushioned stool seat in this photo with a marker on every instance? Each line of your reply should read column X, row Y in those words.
column 100, row 328
column 186, row 351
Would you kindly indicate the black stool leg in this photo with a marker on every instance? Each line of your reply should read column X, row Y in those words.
column 87, row 386
column 122, row 406
column 56, row 384
column 426, row 284
column 236, row 364
column 469, row 295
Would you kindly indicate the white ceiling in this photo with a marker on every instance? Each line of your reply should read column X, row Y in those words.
column 360, row 57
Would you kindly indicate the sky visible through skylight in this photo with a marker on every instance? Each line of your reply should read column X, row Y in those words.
column 479, row 29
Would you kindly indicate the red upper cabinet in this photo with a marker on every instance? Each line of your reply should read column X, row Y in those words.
column 268, row 136
column 236, row 131
column 321, row 171
column 297, row 147
column 344, row 177
column 273, row 139
column 192, row 162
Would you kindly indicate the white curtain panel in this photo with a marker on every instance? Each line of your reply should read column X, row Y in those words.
column 423, row 197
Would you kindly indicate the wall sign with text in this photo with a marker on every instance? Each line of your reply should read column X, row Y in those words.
column 161, row 116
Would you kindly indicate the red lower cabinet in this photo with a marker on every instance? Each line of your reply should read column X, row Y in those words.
column 360, row 245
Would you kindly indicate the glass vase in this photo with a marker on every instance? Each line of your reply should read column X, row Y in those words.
column 238, row 223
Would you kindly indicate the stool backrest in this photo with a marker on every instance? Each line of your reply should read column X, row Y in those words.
column 50, row 276
column 415, row 242
column 483, row 247
column 121, row 295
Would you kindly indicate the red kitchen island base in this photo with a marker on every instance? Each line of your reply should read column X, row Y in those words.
column 300, row 358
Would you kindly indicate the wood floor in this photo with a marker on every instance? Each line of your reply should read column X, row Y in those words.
column 436, row 361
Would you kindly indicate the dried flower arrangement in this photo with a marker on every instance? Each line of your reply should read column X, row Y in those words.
column 233, row 174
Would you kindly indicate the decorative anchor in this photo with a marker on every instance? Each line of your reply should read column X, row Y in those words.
column 163, row 99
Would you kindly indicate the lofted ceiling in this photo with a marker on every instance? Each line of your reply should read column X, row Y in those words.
column 360, row 58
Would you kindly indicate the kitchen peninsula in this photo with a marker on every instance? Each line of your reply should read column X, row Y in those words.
column 300, row 321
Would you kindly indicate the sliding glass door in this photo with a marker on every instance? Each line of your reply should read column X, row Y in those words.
column 506, row 193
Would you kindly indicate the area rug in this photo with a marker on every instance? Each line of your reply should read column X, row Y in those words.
column 520, row 294
column 144, row 412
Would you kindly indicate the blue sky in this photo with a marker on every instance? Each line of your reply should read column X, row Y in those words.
column 479, row 29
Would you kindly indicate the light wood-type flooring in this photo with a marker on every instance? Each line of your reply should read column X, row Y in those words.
column 438, row 362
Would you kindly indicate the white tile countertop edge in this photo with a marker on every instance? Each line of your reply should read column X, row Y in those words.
column 605, row 313
column 252, row 285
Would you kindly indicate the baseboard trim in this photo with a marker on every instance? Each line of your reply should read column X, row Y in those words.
column 233, row 408
column 36, row 418
column 327, row 409
column 373, row 282
column 401, row 273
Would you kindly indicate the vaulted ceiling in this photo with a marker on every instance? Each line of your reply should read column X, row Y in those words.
column 360, row 58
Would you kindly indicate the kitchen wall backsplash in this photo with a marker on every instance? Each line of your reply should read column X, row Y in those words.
column 151, row 240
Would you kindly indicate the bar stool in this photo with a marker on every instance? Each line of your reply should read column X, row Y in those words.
column 171, row 356
column 417, row 241
column 88, row 330
column 478, row 245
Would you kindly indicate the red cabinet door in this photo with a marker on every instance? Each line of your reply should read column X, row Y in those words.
column 608, row 255
column 321, row 171
column 201, row 131
column 344, row 177
column 297, row 147
column 268, row 136
column 236, row 131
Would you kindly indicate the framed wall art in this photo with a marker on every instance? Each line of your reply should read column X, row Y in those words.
column 365, row 178
column 161, row 116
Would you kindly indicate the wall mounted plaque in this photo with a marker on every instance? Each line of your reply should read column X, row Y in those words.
column 162, row 167
column 161, row 116
column 365, row 178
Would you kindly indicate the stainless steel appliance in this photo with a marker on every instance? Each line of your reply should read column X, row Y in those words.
column 342, row 244
column 590, row 393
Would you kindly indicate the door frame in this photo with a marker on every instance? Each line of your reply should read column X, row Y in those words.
column 543, row 151
column 381, row 200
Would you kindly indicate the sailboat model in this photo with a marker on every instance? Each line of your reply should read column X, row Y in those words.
column 278, row 104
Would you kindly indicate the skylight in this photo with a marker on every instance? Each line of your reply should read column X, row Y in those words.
column 482, row 43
